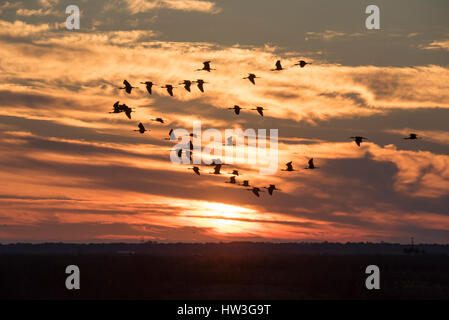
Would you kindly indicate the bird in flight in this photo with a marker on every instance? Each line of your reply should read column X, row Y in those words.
column 236, row 109
column 206, row 67
column 117, row 108
column 171, row 135
column 302, row 63
column 141, row 128
column 128, row 87
column 358, row 140
column 158, row 120
column 255, row 190
column 278, row 66
column 127, row 110
column 412, row 136
column 245, row 183
column 259, row 110
column 149, row 86
column 289, row 167
column 200, row 84
column 271, row 188
column 187, row 84
column 169, row 88
column 251, row 77
column 231, row 180
column 196, row 170
column 217, row 169
column 311, row 165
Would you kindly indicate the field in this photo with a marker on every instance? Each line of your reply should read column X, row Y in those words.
column 218, row 275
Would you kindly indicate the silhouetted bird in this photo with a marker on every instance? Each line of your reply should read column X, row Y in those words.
column 171, row 135
column 206, row 66
column 412, row 136
column 289, row 166
column 117, row 108
column 149, row 86
column 259, row 110
column 187, row 84
column 256, row 191
column 200, row 84
column 127, row 110
column 235, row 172
column 236, row 109
column 302, row 63
column 231, row 180
column 141, row 128
column 271, row 188
column 278, row 66
column 169, row 88
column 128, row 87
column 158, row 120
column 217, row 169
column 311, row 165
column 358, row 140
column 245, row 183
column 251, row 77
column 196, row 170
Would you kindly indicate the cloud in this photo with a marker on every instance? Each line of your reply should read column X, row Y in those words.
column 137, row 6
column 21, row 29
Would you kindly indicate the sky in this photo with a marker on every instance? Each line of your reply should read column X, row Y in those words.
column 73, row 172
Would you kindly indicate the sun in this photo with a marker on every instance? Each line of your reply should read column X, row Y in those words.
column 224, row 218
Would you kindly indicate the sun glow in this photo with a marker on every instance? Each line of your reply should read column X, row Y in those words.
column 224, row 218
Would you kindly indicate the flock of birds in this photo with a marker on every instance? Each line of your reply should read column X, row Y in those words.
column 119, row 108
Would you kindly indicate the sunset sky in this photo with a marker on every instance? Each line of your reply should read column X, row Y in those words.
column 70, row 171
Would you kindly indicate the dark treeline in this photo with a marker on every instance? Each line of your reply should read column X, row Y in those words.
column 231, row 248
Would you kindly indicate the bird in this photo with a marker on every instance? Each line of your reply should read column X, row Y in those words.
column 117, row 108
column 127, row 110
column 158, row 120
column 412, row 136
column 171, row 135
column 289, row 167
column 259, row 110
column 128, row 87
column 196, row 170
column 251, row 77
column 358, row 140
column 187, row 84
column 245, row 183
column 141, row 128
column 302, row 63
column 256, row 191
column 200, row 84
column 236, row 109
column 235, row 172
column 217, row 169
column 149, row 86
column 278, row 66
column 311, row 165
column 231, row 180
column 169, row 88
column 271, row 188
column 206, row 66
